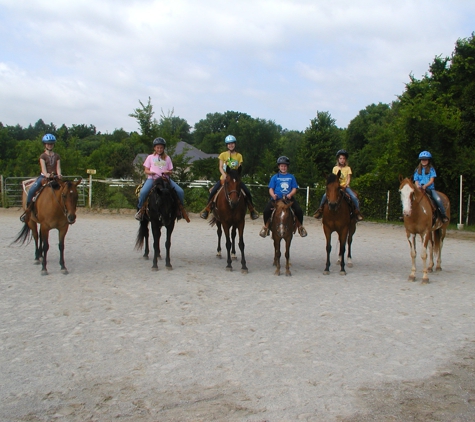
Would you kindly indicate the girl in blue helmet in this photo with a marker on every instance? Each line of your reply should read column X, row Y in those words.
column 345, row 178
column 283, row 185
column 159, row 164
column 232, row 159
column 50, row 163
column 424, row 177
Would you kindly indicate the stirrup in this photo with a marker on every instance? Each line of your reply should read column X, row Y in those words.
column 23, row 217
column 359, row 217
column 139, row 215
column 254, row 214
column 204, row 214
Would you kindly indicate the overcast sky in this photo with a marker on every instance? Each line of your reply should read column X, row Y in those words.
column 91, row 61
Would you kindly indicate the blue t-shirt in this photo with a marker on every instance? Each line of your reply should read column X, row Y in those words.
column 283, row 184
column 424, row 178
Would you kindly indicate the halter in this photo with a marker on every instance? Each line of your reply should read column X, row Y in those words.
column 227, row 193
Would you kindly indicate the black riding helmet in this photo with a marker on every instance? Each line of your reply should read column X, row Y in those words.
column 342, row 152
column 159, row 141
column 283, row 160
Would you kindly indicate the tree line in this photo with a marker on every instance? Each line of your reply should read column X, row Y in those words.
column 434, row 113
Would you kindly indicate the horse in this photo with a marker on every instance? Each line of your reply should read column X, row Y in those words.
column 282, row 227
column 229, row 213
column 162, row 211
column 337, row 217
column 54, row 208
column 421, row 219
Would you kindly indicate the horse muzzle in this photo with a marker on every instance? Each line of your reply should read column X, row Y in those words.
column 71, row 218
column 333, row 206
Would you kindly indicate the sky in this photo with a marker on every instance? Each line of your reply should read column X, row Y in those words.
column 92, row 61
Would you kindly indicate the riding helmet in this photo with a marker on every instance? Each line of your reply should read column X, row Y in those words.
column 283, row 160
column 342, row 152
column 229, row 139
column 425, row 155
column 159, row 141
column 49, row 139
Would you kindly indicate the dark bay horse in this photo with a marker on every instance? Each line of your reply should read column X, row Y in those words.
column 282, row 227
column 337, row 217
column 162, row 212
column 229, row 213
column 54, row 208
column 421, row 219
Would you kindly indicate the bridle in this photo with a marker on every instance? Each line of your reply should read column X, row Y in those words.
column 228, row 193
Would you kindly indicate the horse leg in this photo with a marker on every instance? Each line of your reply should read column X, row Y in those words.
column 156, row 230
column 425, row 241
column 349, row 263
column 62, row 236
column 229, row 267
column 220, row 232
column 431, row 253
column 439, row 236
column 233, row 243
column 328, row 235
column 343, row 235
column 277, row 254
column 411, row 239
column 244, row 269
column 168, row 244
column 146, row 232
column 44, row 246
column 34, row 231
column 288, row 241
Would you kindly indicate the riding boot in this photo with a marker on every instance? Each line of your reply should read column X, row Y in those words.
column 252, row 211
column 444, row 218
column 182, row 212
column 265, row 230
column 139, row 214
column 358, row 215
column 204, row 214
column 319, row 213
column 300, row 228
column 26, row 214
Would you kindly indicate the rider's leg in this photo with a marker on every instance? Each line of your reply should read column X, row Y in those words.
column 29, row 199
column 299, row 214
column 356, row 202
column 181, row 200
column 319, row 213
column 147, row 186
column 206, row 210
column 438, row 200
column 267, row 214
column 252, row 211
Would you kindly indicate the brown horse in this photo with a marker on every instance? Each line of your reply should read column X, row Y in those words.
column 54, row 208
column 229, row 213
column 337, row 217
column 282, row 227
column 421, row 219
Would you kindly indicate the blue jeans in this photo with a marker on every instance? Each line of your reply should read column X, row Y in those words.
column 147, row 186
column 437, row 199
column 352, row 196
column 34, row 188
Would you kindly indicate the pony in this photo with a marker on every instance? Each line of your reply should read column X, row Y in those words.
column 420, row 218
column 282, row 227
column 54, row 208
column 162, row 211
column 337, row 217
column 228, row 214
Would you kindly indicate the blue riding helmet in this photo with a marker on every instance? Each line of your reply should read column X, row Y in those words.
column 49, row 139
column 159, row 141
column 229, row 139
column 425, row 155
column 283, row 160
column 342, row 152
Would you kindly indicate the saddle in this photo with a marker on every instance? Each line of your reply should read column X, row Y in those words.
column 436, row 215
column 350, row 203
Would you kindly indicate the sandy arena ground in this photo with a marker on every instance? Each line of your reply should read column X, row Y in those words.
column 114, row 341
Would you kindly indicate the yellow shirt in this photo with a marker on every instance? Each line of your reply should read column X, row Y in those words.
column 233, row 160
column 345, row 171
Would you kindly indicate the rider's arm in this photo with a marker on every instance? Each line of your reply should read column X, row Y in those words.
column 58, row 168
column 221, row 168
column 292, row 193
column 43, row 168
column 348, row 180
column 430, row 182
column 272, row 194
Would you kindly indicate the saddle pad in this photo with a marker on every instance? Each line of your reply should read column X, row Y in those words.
column 27, row 184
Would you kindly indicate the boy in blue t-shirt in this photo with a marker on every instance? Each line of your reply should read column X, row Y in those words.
column 283, row 185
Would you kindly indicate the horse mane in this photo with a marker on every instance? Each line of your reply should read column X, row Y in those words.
column 332, row 178
column 234, row 173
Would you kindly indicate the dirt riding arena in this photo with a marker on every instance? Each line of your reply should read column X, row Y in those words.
column 114, row 341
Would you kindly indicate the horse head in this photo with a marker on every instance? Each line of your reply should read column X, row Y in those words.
column 69, row 198
column 407, row 190
column 282, row 221
column 162, row 202
column 232, row 186
column 333, row 191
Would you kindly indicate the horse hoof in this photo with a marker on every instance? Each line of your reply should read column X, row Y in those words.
column 438, row 269
column 169, row 268
column 276, row 272
column 429, row 270
column 145, row 257
column 65, row 271
column 229, row 268
column 44, row 272
column 326, row 272
column 349, row 265
column 234, row 257
column 244, row 270
column 154, row 268
column 218, row 255
column 37, row 262
column 425, row 281
column 342, row 272
column 288, row 273
column 411, row 278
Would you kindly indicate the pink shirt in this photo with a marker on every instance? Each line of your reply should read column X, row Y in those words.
column 156, row 164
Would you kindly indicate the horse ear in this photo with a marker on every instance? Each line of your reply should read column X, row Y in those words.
column 228, row 169
column 401, row 178
column 239, row 170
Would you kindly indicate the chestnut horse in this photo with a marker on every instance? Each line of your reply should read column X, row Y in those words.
column 54, row 208
column 282, row 227
column 162, row 211
column 420, row 219
column 337, row 217
column 229, row 213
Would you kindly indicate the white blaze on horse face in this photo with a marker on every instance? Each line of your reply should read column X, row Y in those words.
column 406, row 193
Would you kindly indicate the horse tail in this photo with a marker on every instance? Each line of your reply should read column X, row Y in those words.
column 212, row 222
column 437, row 237
column 141, row 234
column 24, row 236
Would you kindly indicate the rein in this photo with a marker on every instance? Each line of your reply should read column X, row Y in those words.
column 60, row 203
column 227, row 193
